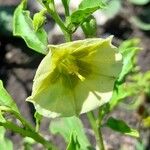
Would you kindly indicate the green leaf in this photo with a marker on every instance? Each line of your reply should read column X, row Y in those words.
column 79, row 16
column 140, row 2
column 122, row 127
column 6, row 99
column 66, row 126
column 140, row 24
column 74, row 143
column 129, row 50
column 23, row 27
column 5, row 144
column 118, row 95
column 91, row 4
column 86, row 8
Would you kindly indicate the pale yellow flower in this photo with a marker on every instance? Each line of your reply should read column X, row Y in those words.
column 76, row 77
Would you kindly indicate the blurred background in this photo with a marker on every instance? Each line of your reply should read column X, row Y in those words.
column 125, row 19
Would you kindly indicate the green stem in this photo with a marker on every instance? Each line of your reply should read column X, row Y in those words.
column 52, row 10
column 18, row 116
column 66, row 7
column 26, row 133
column 96, row 128
column 28, row 130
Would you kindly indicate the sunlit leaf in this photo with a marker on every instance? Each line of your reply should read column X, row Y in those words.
column 66, row 126
column 129, row 50
column 23, row 27
column 86, row 8
column 92, row 4
column 120, row 92
column 5, row 144
column 6, row 99
column 74, row 143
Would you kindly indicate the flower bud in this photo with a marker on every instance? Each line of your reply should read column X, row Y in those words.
column 89, row 27
column 39, row 20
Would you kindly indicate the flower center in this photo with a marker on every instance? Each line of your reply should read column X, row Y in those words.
column 69, row 65
column 69, row 69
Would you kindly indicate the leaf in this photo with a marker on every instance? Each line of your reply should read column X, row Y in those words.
column 140, row 2
column 23, row 27
column 74, row 143
column 6, row 99
column 86, row 8
column 79, row 16
column 5, row 144
column 66, row 126
column 140, row 24
column 129, row 50
column 120, row 92
column 91, row 4
column 122, row 127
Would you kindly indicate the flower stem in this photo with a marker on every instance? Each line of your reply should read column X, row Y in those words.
column 52, row 10
column 18, row 116
column 26, row 133
column 27, row 130
column 96, row 128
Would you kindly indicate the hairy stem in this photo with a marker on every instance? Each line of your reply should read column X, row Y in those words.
column 52, row 10
column 27, row 130
column 26, row 133
column 66, row 7
column 18, row 116
column 96, row 128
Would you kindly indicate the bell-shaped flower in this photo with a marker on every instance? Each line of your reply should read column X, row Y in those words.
column 76, row 77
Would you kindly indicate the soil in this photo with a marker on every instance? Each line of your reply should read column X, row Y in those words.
column 18, row 65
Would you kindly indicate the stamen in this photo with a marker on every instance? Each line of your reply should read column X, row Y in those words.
column 79, row 76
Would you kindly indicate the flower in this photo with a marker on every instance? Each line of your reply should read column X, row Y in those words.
column 76, row 77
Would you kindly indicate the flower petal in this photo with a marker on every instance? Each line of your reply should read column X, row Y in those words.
column 76, row 77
